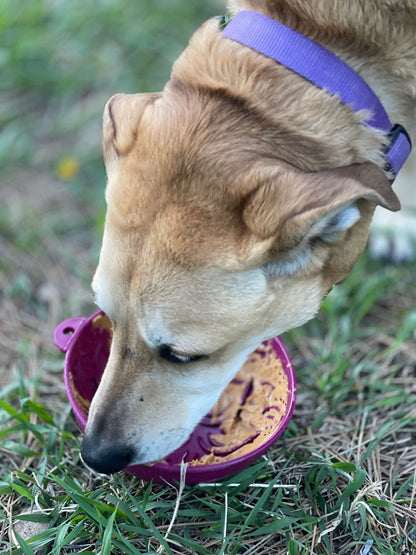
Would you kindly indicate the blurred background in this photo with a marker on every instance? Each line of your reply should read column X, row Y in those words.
column 59, row 63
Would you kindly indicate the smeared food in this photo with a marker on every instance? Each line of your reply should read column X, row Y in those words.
column 250, row 408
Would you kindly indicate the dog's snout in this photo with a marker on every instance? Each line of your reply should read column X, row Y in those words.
column 106, row 458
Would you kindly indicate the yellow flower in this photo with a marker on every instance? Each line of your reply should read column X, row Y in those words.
column 67, row 168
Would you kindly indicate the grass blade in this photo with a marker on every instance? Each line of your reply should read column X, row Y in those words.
column 108, row 532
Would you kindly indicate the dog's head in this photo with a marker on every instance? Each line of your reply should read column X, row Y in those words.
column 213, row 242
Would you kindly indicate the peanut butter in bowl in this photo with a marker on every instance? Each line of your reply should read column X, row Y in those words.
column 249, row 409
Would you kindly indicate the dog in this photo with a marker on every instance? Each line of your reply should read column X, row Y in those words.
column 237, row 197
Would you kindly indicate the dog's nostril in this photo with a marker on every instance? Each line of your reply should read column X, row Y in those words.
column 108, row 458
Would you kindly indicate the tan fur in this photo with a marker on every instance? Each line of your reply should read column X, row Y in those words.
column 216, row 188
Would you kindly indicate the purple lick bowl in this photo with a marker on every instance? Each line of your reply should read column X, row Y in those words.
column 86, row 344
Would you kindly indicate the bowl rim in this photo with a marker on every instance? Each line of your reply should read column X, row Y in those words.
column 66, row 336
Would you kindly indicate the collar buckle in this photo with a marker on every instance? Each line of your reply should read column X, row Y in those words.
column 397, row 150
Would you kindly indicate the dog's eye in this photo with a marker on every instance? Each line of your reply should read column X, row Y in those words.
column 167, row 353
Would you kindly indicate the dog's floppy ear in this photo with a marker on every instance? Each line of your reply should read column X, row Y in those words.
column 121, row 120
column 291, row 206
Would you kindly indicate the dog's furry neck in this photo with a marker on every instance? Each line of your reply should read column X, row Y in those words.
column 356, row 32
column 303, row 124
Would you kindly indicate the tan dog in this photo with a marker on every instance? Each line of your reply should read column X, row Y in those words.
column 236, row 198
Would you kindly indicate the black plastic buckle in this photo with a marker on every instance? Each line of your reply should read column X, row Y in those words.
column 392, row 137
column 394, row 133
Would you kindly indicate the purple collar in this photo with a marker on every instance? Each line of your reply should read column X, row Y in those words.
column 324, row 69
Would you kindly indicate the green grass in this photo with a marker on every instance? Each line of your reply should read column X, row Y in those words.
column 342, row 478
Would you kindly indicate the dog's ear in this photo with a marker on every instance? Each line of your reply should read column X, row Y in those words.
column 121, row 121
column 289, row 207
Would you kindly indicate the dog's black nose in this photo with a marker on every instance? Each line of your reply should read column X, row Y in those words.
column 108, row 458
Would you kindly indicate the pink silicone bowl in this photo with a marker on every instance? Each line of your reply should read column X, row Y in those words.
column 87, row 346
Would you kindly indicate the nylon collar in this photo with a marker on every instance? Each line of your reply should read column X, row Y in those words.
column 323, row 68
